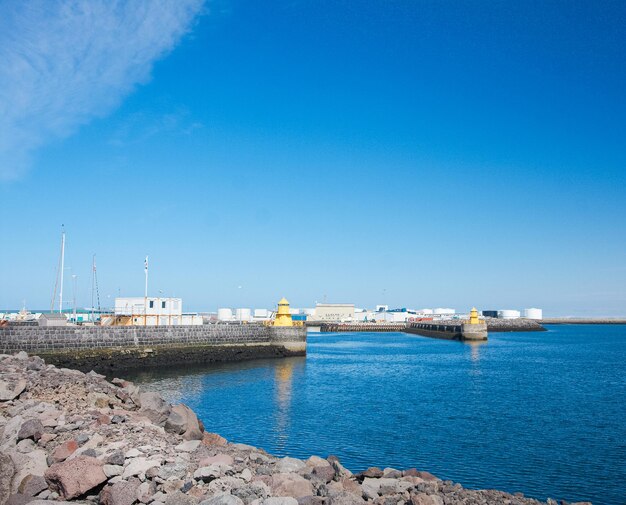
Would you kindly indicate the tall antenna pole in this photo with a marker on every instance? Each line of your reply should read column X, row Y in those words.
column 145, row 300
column 93, row 284
column 62, row 268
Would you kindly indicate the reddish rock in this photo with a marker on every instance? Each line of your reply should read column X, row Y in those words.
column 103, row 419
column 372, row 472
column 75, row 477
column 410, row 472
column 63, row 451
column 213, row 439
column 427, row 476
column 121, row 493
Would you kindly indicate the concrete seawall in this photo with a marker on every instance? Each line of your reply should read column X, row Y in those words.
column 105, row 348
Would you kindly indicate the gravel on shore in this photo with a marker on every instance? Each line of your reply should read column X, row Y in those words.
column 71, row 437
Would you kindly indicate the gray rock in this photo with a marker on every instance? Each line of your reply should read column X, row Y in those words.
column 188, row 446
column 323, row 473
column 32, row 429
column 253, row 491
column 19, row 499
column 346, row 498
column 223, row 499
column 112, row 470
column 280, row 500
column 32, row 485
column 290, row 465
column 154, row 407
column 7, row 469
column 25, row 446
column 313, row 500
column 172, row 470
column 10, row 391
column 115, row 458
column 340, row 470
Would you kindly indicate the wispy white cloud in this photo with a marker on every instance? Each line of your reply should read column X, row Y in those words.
column 63, row 63
column 141, row 126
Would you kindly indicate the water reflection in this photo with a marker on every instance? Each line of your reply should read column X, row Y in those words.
column 283, row 377
column 475, row 350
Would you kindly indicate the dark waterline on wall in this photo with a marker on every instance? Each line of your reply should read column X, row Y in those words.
column 541, row 413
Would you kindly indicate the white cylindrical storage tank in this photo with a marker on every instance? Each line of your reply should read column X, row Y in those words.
column 261, row 313
column 243, row 314
column 309, row 312
column 533, row 313
column 427, row 312
column 508, row 314
column 224, row 315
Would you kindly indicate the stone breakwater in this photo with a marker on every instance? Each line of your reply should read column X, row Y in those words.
column 521, row 324
column 73, row 437
column 106, row 348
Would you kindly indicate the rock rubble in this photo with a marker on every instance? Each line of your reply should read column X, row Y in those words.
column 71, row 437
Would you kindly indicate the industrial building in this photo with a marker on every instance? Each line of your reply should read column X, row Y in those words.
column 150, row 311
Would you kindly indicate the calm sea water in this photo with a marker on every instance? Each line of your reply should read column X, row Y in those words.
column 541, row 413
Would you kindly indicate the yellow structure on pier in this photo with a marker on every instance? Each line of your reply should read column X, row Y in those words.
column 283, row 316
column 474, row 316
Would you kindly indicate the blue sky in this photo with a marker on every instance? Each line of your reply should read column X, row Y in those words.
column 418, row 153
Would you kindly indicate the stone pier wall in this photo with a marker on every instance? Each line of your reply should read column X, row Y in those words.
column 104, row 347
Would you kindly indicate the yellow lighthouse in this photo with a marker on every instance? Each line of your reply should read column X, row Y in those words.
column 283, row 316
column 474, row 316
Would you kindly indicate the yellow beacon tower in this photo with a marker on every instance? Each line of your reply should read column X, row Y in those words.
column 283, row 316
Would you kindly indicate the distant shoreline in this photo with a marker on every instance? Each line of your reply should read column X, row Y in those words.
column 582, row 320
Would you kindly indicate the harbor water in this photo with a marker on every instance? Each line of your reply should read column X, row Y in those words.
column 540, row 413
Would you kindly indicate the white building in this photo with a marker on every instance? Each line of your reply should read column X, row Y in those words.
column 153, row 311
column 334, row 312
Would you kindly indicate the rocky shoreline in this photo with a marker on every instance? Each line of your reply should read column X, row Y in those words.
column 73, row 437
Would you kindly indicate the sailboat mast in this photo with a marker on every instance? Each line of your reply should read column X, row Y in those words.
column 62, row 270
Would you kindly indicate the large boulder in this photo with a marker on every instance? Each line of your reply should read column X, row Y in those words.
column 31, row 463
column 75, row 477
column 290, row 484
column 154, row 407
column 183, row 421
column 7, row 469
column 120, row 493
column 290, row 465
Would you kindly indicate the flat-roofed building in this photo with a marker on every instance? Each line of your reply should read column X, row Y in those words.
column 334, row 312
